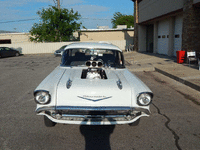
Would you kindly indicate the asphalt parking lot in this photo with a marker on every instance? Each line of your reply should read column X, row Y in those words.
column 173, row 124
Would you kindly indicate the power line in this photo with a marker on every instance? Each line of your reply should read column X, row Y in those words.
column 38, row 18
column 18, row 20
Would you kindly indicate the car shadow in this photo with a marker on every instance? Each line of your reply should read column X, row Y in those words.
column 168, row 58
column 97, row 136
column 193, row 64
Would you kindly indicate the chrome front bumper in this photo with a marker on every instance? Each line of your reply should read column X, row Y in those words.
column 93, row 115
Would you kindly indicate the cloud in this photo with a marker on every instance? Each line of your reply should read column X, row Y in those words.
column 26, row 9
column 62, row 2
column 93, row 15
column 89, row 10
column 12, row 3
column 12, row 9
column 17, row 9
column 71, row 2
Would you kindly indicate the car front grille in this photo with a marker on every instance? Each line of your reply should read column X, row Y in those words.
column 88, row 112
column 96, row 114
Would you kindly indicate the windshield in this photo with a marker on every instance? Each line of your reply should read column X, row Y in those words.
column 62, row 48
column 79, row 57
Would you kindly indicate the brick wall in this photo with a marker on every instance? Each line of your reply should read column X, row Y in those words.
column 191, row 26
column 197, row 29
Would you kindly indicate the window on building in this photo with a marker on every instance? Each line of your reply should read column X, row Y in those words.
column 177, row 36
column 5, row 41
column 163, row 36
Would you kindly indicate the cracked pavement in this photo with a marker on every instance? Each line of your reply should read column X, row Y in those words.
column 176, row 104
column 174, row 122
column 176, row 137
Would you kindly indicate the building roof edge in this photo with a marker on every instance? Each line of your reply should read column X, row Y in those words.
column 97, row 30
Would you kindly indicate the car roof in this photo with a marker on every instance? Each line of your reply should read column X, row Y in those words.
column 93, row 45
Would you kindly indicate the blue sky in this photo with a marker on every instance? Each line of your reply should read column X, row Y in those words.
column 16, row 15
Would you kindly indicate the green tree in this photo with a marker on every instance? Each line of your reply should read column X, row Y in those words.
column 120, row 19
column 56, row 25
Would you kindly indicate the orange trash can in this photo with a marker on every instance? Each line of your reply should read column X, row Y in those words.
column 180, row 56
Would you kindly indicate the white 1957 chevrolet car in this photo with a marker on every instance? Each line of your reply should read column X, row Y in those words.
column 92, row 87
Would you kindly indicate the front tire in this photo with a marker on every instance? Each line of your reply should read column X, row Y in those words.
column 48, row 122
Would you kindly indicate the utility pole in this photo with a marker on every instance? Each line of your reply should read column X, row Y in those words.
column 58, row 4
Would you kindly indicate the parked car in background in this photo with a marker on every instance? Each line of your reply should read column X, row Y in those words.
column 92, row 87
column 7, row 52
column 60, row 51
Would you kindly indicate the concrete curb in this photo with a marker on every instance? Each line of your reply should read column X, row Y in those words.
column 194, row 86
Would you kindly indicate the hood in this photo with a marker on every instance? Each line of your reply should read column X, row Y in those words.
column 74, row 91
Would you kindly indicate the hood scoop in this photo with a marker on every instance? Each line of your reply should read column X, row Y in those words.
column 92, row 74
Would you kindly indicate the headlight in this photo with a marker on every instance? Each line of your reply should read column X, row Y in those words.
column 144, row 99
column 42, row 97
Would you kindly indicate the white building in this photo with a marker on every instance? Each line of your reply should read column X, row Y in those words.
column 165, row 26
